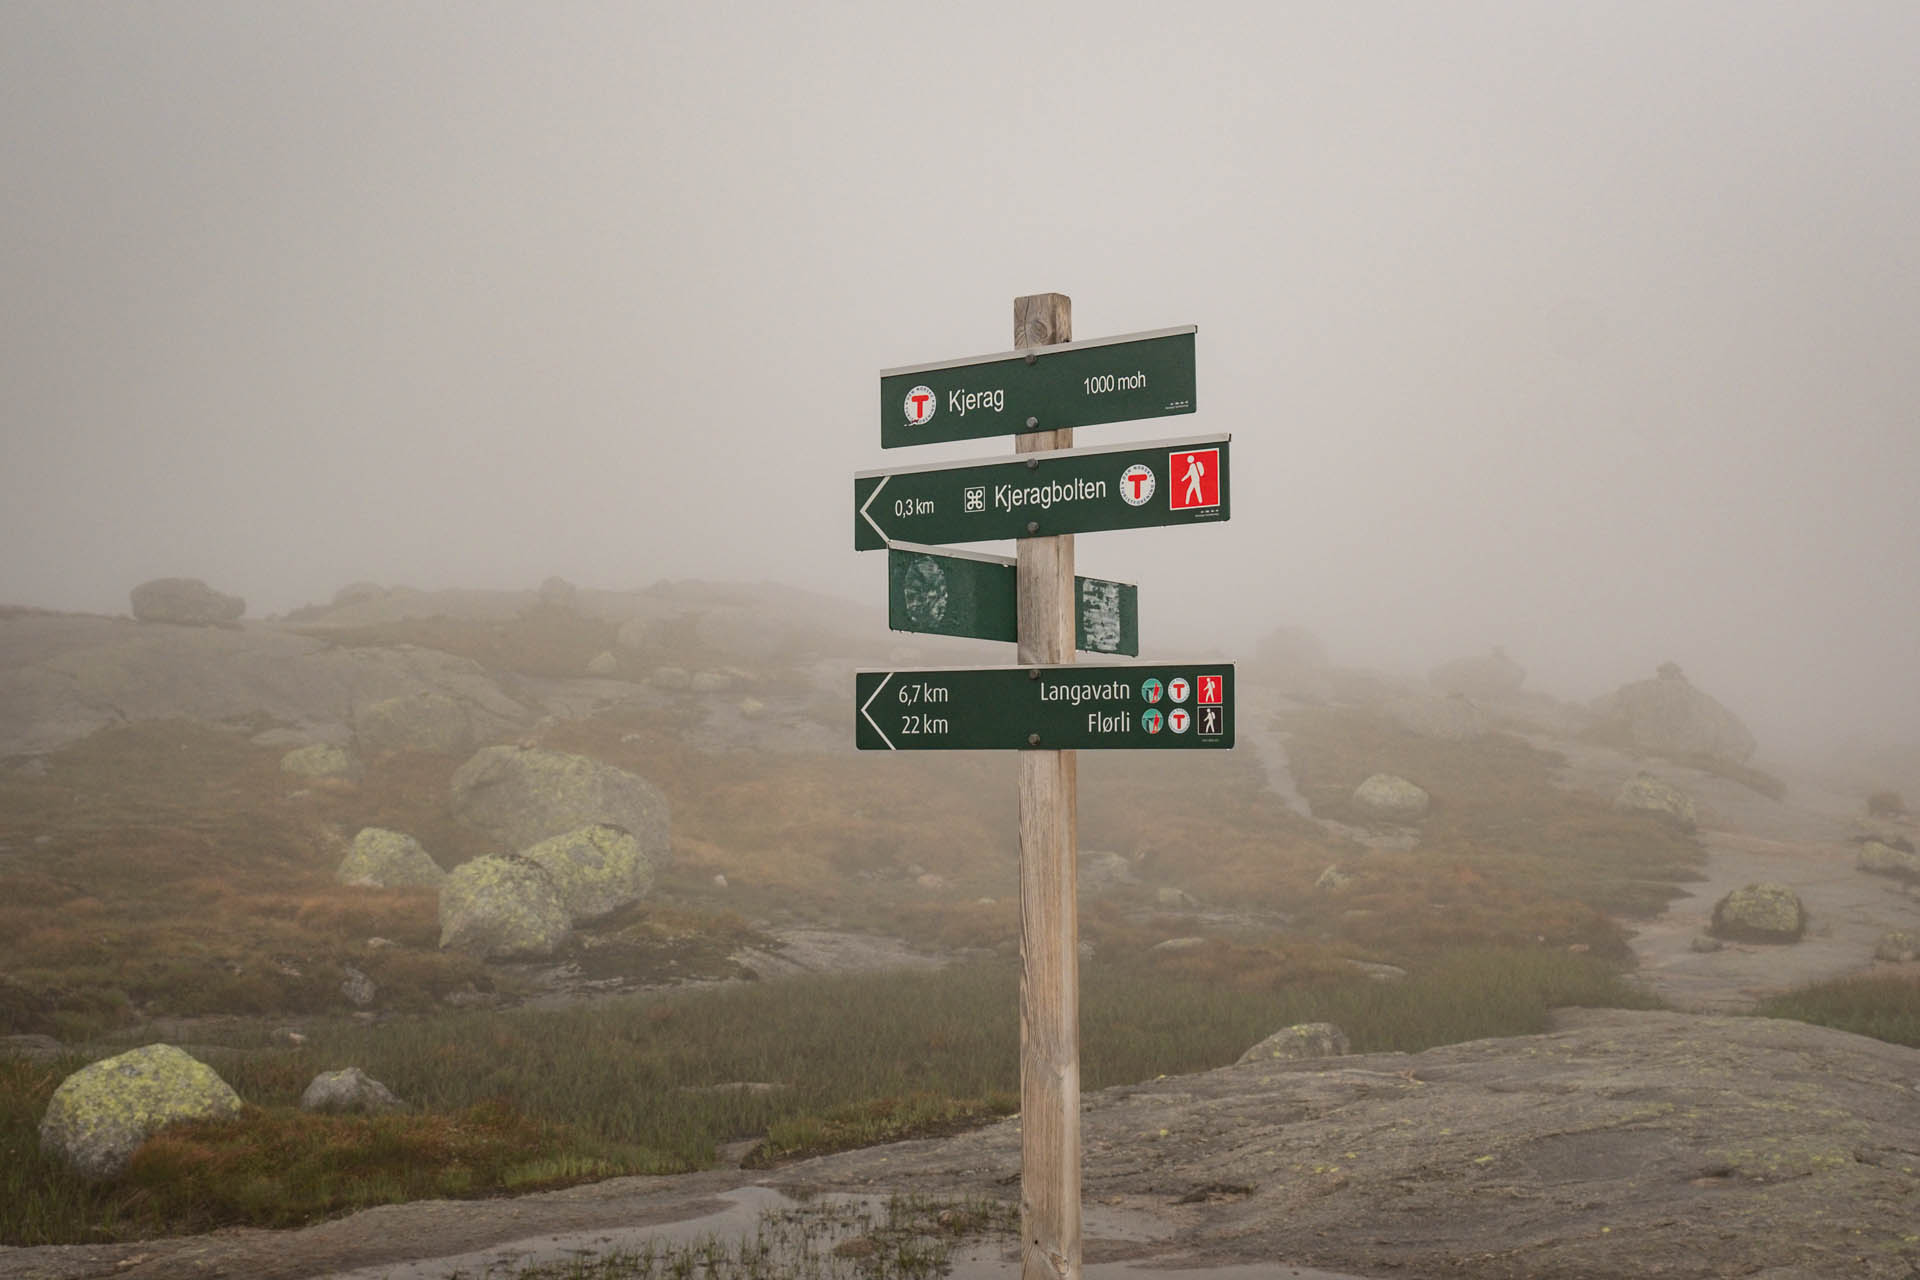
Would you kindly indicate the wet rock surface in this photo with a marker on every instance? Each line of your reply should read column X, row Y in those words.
column 1619, row 1145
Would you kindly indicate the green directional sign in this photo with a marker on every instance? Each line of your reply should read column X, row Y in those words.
column 1071, row 384
column 964, row 593
column 1133, row 486
column 1131, row 707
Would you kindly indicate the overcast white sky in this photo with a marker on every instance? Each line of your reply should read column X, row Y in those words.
column 1591, row 330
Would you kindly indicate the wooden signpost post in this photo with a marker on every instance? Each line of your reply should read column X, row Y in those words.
column 1045, row 707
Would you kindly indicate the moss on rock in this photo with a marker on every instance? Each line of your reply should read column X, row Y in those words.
column 523, row 795
column 383, row 859
column 502, row 908
column 597, row 870
column 320, row 760
column 1760, row 912
column 100, row 1115
column 1645, row 793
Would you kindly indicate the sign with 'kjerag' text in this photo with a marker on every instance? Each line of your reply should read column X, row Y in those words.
column 1135, row 706
column 1029, row 495
column 1069, row 384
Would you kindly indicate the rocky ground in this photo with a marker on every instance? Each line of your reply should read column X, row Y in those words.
column 1620, row 1144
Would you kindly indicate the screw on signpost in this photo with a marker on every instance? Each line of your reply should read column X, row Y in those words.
column 1049, row 918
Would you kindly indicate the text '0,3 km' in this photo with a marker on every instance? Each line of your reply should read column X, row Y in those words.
column 1070, row 384
column 1131, row 707
column 1029, row 495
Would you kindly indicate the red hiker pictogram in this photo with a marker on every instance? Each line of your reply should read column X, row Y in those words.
column 1209, row 690
column 1196, row 479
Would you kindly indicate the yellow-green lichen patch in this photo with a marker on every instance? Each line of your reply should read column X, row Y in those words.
column 100, row 1115
column 597, row 869
column 500, row 908
column 383, row 859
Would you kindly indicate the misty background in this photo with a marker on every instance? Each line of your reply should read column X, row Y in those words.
column 1591, row 331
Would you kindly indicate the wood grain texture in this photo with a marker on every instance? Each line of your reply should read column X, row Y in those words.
column 1049, row 914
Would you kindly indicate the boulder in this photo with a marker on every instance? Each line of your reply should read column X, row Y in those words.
column 603, row 664
column 1668, row 716
column 1303, row 1040
column 1387, row 798
column 1898, row 945
column 383, row 859
column 559, row 595
column 424, row 721
column 1645, row 793
column 1333, row 879
column 523, row 795
column 186, row 602
column 320, row 760
column 357, row 987
column 502, row 908
column 1449, row 719
column 596, row 870
column 1885, row 859
column 349, row 1091
column 100, row 1115
column 1760, row 912
column 1492, row 676
column 1102, row 871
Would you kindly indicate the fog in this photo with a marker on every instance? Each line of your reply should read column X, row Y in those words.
column 1590, row 331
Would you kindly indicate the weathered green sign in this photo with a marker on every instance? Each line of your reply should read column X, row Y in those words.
column 964, row 593
column 1136, row 706
column 1070, row 384
column 1029, row 495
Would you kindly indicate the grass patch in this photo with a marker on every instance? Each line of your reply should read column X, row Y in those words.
column 1884, row 1006
column 1504, row 855
column 522, row 1098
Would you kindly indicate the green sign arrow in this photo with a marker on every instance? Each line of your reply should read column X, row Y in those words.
column 1132, row 486
column 1070, row 384
column 965, row 593
column 1136, row 706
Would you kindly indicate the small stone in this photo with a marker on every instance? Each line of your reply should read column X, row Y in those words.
column 349, row 1091
column 1300, row 1041
column 1898, row 946
column 719, row 880
column 1388, row 798
column 1178, row 944
column 1705, row 943
column 358, row 988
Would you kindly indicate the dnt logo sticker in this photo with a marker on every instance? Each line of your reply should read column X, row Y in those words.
column 1136, row 484
column 920, row 404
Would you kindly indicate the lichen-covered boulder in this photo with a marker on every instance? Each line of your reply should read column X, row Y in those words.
column 523, row 795
column 1883, row 859
column 603, row 664
column 1492, row 676
column 1668, row 716
column 1897, row 945
column 1760, row 912
column 424, row 721
column 502, row 908
column 383, row 859
column 1645, row 793
column 186, row 602
column 1448, row 719
column 320, row 760
column 1333, row 879
column 1390, row 799
column 1303, row 1040
column 100, row 1115
column 597, row 870
column 350, row 1091
column 357, row 987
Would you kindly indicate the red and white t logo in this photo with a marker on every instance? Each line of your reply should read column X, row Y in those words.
column 921, row 403
column 1136, row 484
column 1195, row 477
